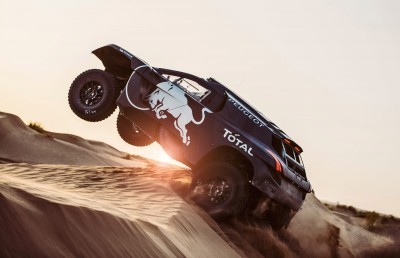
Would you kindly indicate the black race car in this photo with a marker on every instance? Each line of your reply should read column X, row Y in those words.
column 240, row 159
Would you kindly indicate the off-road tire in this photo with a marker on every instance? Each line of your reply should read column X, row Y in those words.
column 130, row 133
column 93, row 95
column 207, row 184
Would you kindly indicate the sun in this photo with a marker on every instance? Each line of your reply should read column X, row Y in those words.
column 164, row 157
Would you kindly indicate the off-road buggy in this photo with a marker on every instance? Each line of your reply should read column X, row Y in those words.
column 239, row 158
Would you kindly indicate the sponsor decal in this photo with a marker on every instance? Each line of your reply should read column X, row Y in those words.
column 254, row 118
column 88, row 111
column 233, row 138
column 246, row 112
column 125, row 52
column 169, row 98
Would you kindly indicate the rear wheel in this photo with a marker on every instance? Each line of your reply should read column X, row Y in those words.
column 132, row 134
column 93, row 95
column 221, row 189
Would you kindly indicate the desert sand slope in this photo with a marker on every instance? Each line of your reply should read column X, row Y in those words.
column 89, row 210
column 19, row 143
column 100, row 205
column 55, row 211
column 314, row 232
column 321, row 233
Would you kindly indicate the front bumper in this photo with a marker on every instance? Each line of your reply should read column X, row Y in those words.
column 286, row 193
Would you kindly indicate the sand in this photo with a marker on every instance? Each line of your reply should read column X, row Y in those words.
column 64, row 196
column 55, row 210
column 19, row 143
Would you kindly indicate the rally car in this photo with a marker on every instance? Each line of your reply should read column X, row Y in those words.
column 241, row 161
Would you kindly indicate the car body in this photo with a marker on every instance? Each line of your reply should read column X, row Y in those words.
column 198, row 121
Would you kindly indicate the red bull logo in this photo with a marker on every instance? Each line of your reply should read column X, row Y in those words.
column 170, row 99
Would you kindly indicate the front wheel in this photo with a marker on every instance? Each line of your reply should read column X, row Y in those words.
column 93, row 95
column 132, row 134
column 221, row 189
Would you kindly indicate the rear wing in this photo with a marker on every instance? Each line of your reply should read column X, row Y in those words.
column 118, row 61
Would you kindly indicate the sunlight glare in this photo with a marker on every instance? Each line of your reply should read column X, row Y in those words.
column 164, row 157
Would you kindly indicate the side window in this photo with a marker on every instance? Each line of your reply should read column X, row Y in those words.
column 191, row 87
column 289, row 151
column 277, row 144
column 298, row 158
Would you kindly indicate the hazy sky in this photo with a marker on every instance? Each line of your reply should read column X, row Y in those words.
column 327, row 72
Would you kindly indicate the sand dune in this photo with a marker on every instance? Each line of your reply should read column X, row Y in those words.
column 64, row 196
column 19, row 143
column 57, row 211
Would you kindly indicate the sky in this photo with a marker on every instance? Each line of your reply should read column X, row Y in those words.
column 326, row 72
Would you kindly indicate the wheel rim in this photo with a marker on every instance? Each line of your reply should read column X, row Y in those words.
column 91, row 93
column 217, row 190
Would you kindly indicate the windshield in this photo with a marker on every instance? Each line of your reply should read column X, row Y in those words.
column 190, row 86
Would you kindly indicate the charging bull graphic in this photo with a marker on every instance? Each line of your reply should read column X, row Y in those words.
column 169, row 98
